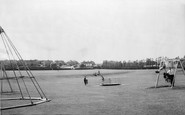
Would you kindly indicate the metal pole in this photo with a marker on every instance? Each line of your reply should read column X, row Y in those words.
column 3, row 39
column 174, row 75
column 157, row 80
column 182, row 67
column 2, row 75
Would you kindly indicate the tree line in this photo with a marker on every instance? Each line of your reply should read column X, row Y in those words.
column 148, row 63
column 138, row 64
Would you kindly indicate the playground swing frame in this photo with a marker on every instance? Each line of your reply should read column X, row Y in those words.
column 177, row 61
column 38, row 101
column 10, row 48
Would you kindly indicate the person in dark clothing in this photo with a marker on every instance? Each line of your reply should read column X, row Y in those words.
column 85, row 80
column 169, row 77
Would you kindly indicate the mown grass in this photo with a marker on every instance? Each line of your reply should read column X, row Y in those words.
column 136, row 95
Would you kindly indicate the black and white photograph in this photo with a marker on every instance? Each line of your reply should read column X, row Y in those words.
column 92, row 57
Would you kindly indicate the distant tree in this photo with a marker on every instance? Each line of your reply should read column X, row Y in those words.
column 53, row 66
column 141, row 64
column 72, row 63
column 148, row 61
column 60, row 62
column 92, row 62
column 82, row 65
column 124, row 64
column 105, row 64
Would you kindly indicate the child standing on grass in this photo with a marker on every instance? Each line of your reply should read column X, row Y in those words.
column 170, row 74
column 85, row 80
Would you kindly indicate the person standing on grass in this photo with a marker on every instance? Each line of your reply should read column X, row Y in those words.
column 85, row 80
column 170, row 74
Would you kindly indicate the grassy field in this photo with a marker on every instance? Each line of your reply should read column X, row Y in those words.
column 136, row 95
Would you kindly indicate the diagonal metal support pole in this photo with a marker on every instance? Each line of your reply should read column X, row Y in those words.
column 6, row 77
column 2, row 75
column 182, row 67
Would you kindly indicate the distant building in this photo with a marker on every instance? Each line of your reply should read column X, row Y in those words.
column 46, row 63
column 67, row 67
column 87, row 64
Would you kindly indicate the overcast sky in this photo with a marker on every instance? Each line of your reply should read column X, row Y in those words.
column 94, row 29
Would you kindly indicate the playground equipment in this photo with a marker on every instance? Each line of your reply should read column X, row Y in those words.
column 19, row 87
column 107, row 82
column 168, row 64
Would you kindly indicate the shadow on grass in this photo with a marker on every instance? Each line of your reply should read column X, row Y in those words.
column 9, row 93
column 178, row 87
column 161, row 86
